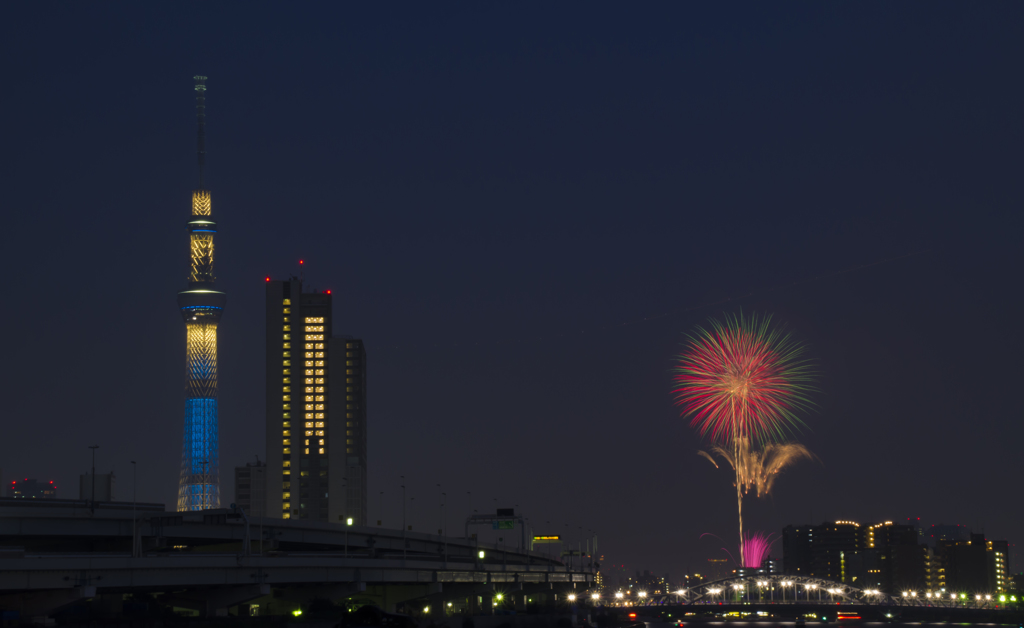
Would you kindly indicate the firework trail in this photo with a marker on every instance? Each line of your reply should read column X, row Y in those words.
column 742, row 381
column 758, row 470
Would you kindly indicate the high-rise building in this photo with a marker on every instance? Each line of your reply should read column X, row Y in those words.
column 201, row 307
column 251, row 488
column 32, row 489
column 974, row 565
column 102, row 487
column 316, row 409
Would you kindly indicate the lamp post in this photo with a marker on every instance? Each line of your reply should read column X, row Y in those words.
column 134, row 484
column 404, row 543
column 93, row 448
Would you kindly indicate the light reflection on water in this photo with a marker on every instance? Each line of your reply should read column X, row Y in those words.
column 762, row 623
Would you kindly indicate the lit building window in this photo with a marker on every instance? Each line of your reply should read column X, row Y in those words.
column 287, row 327
column 321, row 450
column 309, row 346
column 309, row 363
column 287, row 354
column 309, row 380
column 287, row 424
column 319, row 406
column 319, row 354
column 319, row 372
column 314, row 319
column 309, row 407
column 286, row 302
column 321, row 443
column 307, row 453
column 309, row 433
column 287, row 442
column 309, row 390
column 319, row 415
column 319, row 363
column 287, row 337
column 287, row 397
column 286, row 506
column 287, row 363
column 349, row 441
column 286, row 389
column 309, row 397
column 309, row 355
column 307, row 442
column 287, row 406
column 287, row 450
column 287, row 345
column 311, row 328
column 286, row 515
column 319, row 423
column 287, row 310
column 319, row 389
column 287, row 372
column 319, row 397
column 286, row 496
column 319, row 380
column 287, row 380
column 309, row 424
column 320, row 433
column 287, row 433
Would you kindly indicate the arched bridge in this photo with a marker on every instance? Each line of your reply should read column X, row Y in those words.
column 778, row 589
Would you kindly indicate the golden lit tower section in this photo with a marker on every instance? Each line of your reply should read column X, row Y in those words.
column 201, row 307
column 316, row 410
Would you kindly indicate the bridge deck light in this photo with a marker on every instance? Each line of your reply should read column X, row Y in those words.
column 595, row 596
column 572, row 597
column 618, row 594
column 681, row 592
column 481, row 554
column 988, row 597
column 642, row 593
column 977, row 597
column 952, row 596
column 499, row 596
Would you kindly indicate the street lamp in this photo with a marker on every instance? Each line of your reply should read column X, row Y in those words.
column 134, row 483
column 94, row 448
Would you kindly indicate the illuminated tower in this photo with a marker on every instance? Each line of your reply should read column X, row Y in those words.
column 201, row 307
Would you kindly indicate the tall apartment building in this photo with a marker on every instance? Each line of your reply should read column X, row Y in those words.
column 883, row 555
column 251, row 488
column 316, row 409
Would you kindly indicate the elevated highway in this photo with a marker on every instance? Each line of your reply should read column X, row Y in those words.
column 57, row 552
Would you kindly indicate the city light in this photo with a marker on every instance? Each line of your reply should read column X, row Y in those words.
column 572, row 597
column 349, row 521
column 498, row 597
column 481, row 554
column 426, row 609
column 642, row 593
column 681, row 592
column 595, row 596
column 297, row 612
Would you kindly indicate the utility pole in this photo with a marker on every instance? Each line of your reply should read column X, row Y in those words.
column 135, row 483
column 93, row 448
column 405, row 544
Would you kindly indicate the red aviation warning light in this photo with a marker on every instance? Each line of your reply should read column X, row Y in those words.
column 268, row 279
column 328, row 292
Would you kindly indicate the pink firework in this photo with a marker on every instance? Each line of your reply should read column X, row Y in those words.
column 757, row 546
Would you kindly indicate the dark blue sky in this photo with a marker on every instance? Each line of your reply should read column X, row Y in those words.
column 492, row 193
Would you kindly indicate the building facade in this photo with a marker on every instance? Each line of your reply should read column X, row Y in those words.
column 32, row 489
column 316, row 409
column 201, row 308
column 251, row 488
column 103, row 487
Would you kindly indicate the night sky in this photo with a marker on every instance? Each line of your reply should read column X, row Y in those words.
column 522, row 210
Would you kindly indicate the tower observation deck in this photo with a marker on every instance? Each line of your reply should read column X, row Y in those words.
column 201, row 307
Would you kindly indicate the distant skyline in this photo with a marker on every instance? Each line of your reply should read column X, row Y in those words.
column 522, row 210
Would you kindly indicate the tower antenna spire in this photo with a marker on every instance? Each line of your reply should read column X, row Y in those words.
column 201, row 119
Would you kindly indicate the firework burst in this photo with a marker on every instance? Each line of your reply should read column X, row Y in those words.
column 757, row 546
column 740, row 378
column 742, row 382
